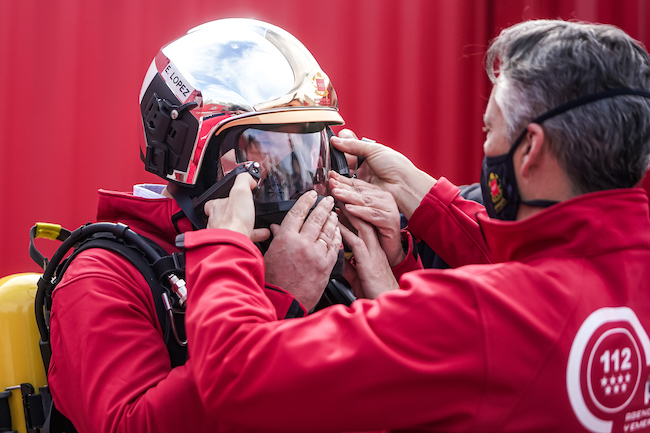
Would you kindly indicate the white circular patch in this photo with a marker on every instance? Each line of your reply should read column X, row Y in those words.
column 604, row 371
column 614, row 370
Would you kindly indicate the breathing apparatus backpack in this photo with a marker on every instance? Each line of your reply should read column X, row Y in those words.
column 164, row 274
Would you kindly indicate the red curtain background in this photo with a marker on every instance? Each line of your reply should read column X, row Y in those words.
column 408, row 73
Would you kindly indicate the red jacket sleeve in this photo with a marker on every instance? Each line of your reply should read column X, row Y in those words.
column 376, row 365
column 412, row 261
column 448, row 224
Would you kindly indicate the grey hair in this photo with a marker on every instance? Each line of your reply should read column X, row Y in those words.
column 538, row 65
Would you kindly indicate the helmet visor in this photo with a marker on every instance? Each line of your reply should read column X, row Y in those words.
column 293, row 158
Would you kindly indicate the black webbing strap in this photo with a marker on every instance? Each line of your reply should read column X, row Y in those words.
column 56, row 422
column 177, row 353
column 5, row 413
column 169, row 264
column 36, row 407
column 32, row 407
column 185, row 202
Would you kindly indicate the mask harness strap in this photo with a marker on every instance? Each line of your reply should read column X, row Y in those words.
column 185, row 202
column 569, row 106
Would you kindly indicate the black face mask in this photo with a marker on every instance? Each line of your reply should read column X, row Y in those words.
column 498, row 182
column 499, row 185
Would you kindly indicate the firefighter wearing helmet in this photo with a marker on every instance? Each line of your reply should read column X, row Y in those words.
column 229, row 94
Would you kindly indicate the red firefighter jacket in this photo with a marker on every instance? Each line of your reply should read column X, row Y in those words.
column 550, row 337
column 110, row 370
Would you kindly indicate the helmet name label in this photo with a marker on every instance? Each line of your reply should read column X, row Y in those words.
column 177, row 83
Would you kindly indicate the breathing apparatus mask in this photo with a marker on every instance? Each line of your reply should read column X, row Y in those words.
column 239, row 95
column 498, row 181
column 292, row 158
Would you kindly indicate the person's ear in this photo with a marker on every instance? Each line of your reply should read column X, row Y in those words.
column 532, row 148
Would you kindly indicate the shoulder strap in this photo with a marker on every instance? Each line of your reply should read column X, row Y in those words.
column 177, row 353
column 56, row 422
column 151, row 260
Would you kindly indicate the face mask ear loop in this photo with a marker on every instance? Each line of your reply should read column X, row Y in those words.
column 540, row 203
column 518, row 140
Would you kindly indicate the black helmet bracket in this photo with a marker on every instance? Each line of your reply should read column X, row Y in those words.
column 338, row 162
column 169, row 129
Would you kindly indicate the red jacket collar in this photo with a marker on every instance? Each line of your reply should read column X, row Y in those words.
column 589, row 223
column 149, row 217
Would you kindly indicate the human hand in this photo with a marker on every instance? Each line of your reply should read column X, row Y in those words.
column 389, row 170
column 303, row 253
column 375, row 206
column 237, row 211
column 371, row 274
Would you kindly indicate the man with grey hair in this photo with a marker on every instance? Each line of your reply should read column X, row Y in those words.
column 542, row 325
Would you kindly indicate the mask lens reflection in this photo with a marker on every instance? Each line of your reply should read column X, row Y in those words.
column 293, row 159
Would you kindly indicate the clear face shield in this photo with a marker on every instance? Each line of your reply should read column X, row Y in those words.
column 293, row 159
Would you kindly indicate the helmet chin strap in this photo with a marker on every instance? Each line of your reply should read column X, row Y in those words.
column 185, row 202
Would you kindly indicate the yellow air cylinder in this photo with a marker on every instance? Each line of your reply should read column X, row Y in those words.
column 20, row 357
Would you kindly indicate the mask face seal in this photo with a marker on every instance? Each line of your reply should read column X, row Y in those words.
column 293, row 159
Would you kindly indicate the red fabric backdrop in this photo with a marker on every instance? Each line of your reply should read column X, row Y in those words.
column 408, row 73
